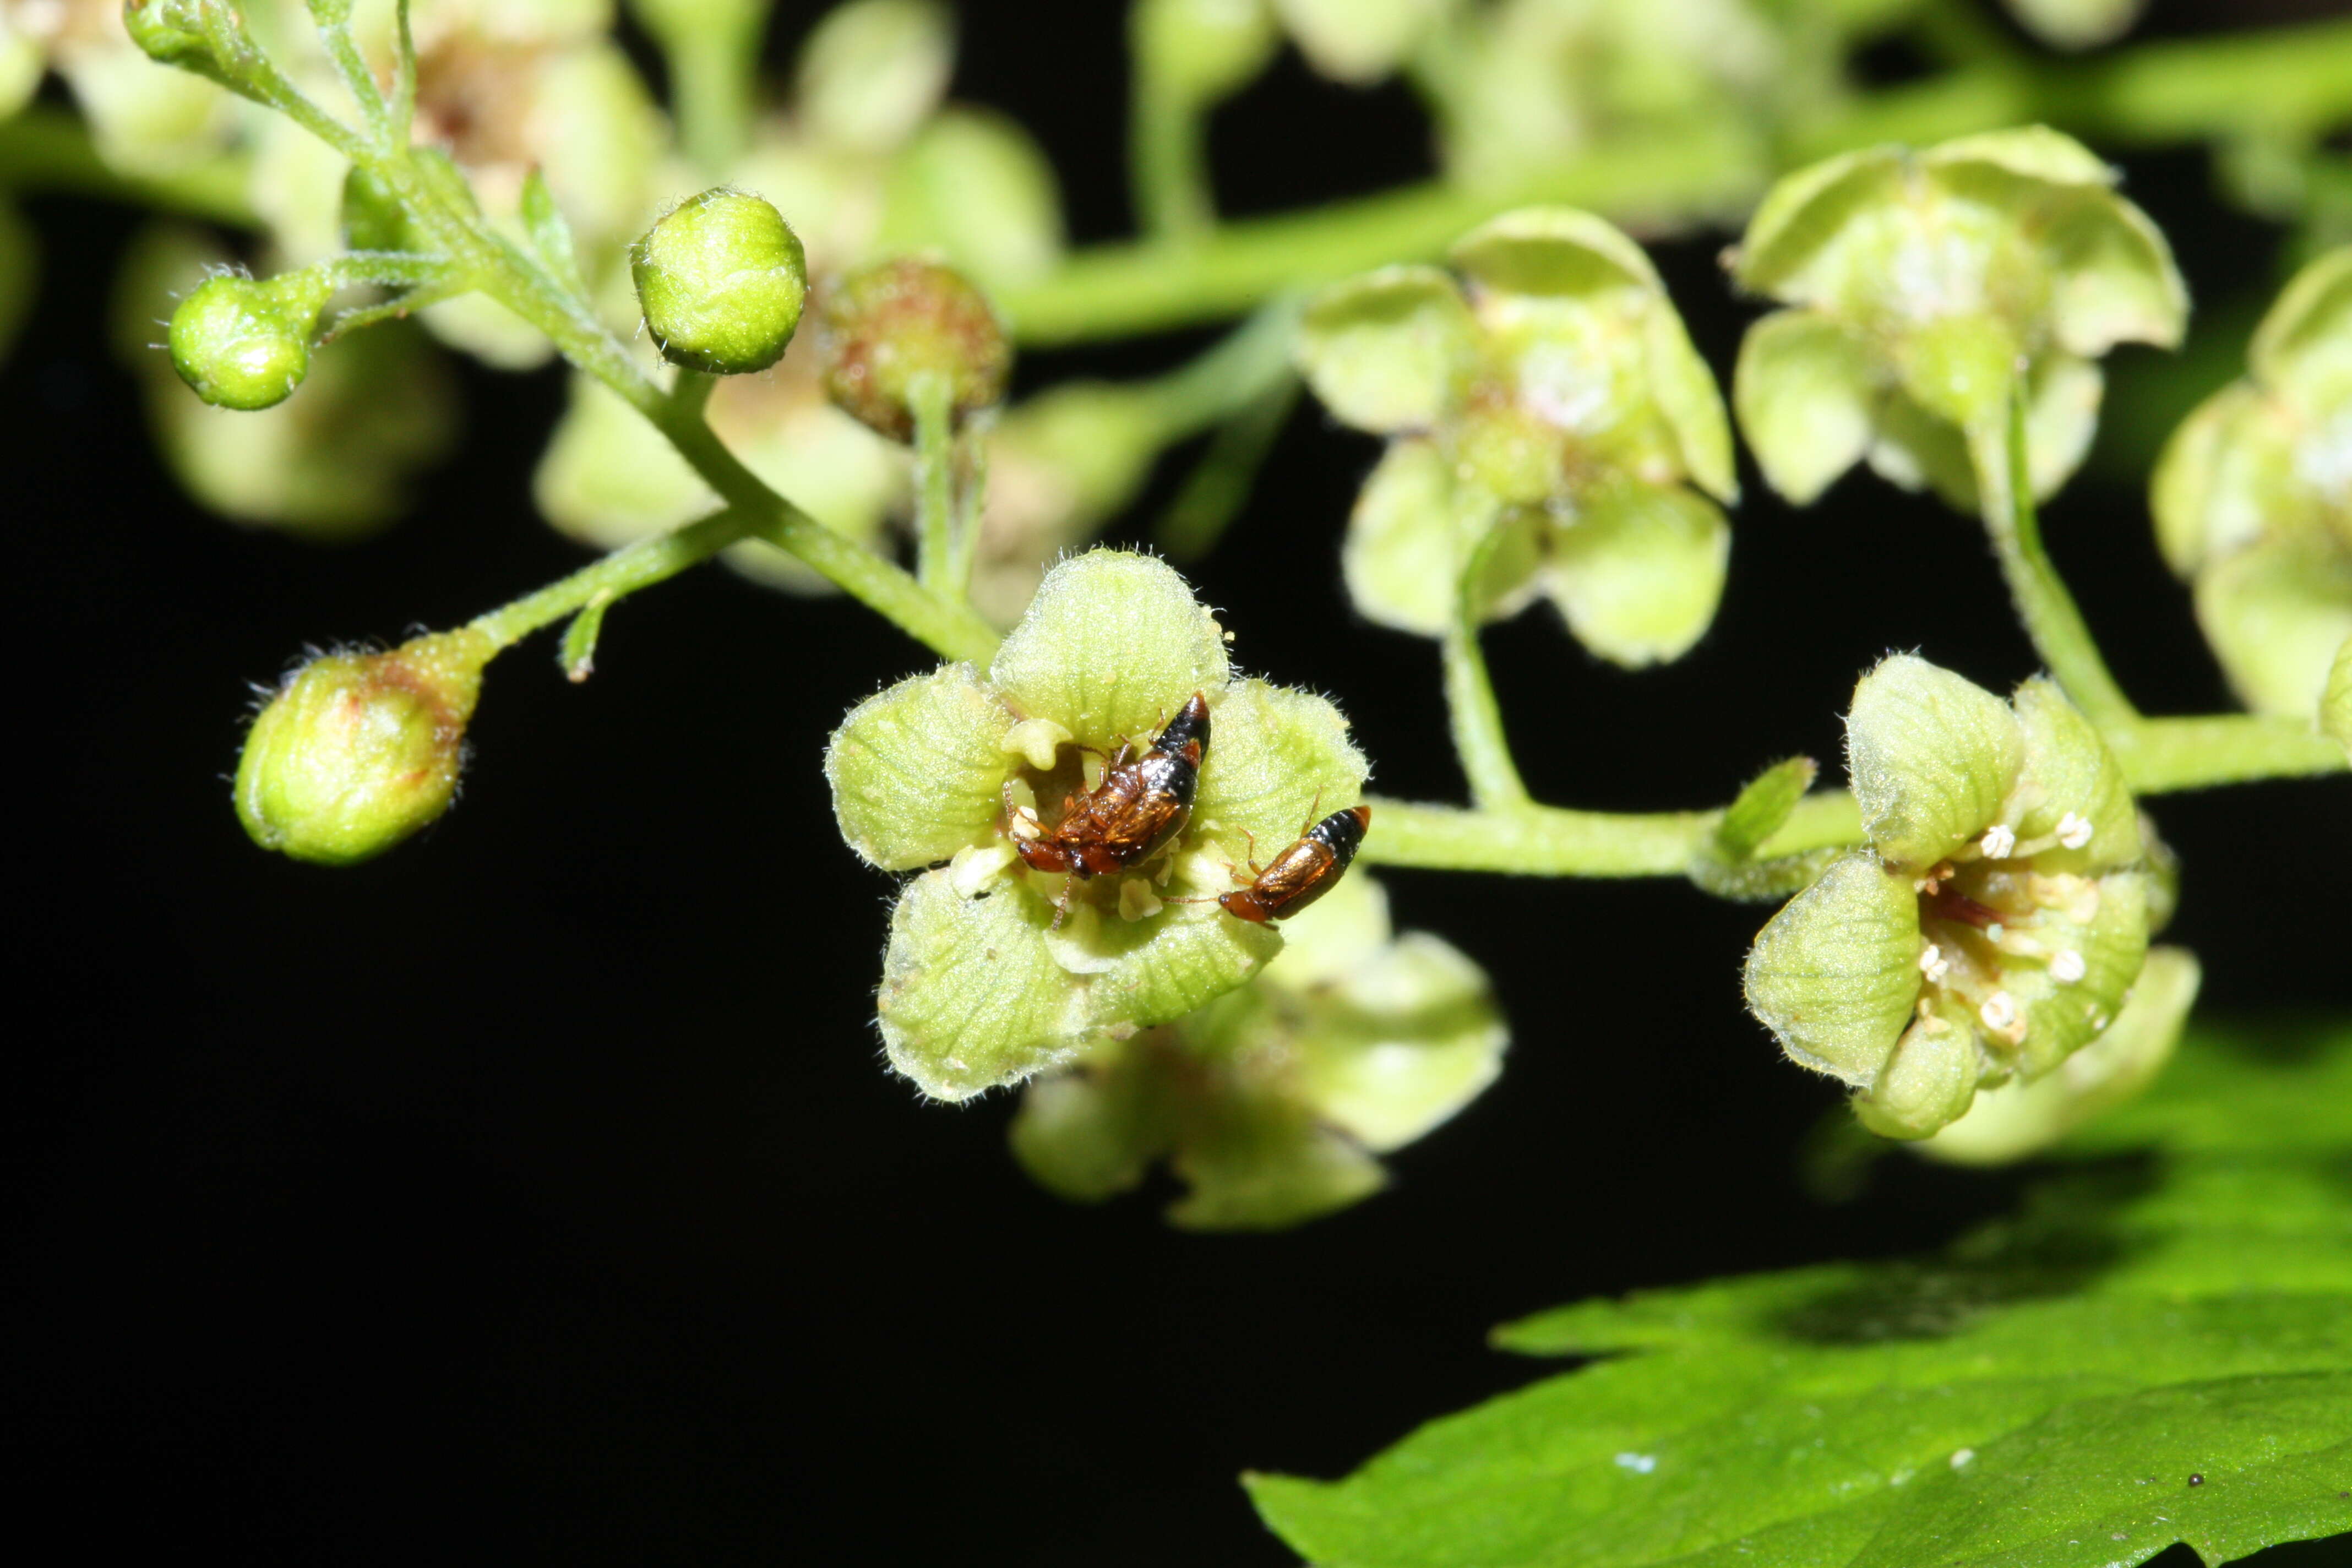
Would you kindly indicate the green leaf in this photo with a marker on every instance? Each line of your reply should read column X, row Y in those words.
column 2158, row 1349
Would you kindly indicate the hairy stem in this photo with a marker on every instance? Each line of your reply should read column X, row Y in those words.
column 932, row 398
column 2005, row 492
column 618, row 575
column 1553, row 841
column 1166, row 171
column 2159, row 756
column 1477, row 718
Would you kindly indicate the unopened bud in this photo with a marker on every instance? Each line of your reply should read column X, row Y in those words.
column 356, row 752
column 892, row 325
column 722, row 278
column 245, row 342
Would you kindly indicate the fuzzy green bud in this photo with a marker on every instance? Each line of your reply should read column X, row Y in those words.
column 1199, row 51
column 721, row 278
column 245, row 342
column 180, row 32
column 890, row 327
column 356, row 752
column 2076, row 24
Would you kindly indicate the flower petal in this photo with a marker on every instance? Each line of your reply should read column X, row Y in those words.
column 1931, row 756
column 2033, row 153
column 2019, row 1119
column 1805, row 392
column 1553, row 251
column 918, row 770
column 2061, row 1015
column 2310, row 310
column 1260, row 1162
column 1800, row 218
column 2116, row 282
column 1402, row 1044
column 1089, row 1134
column 1279, row 755
column 1389, row 351
column 2276, row 613
column 2069, row 772
column 971, row 999
column 1835, row 974
column 1113, row 644
column 1400, row 559
column 1690, row 401
column 1638, row 573
column 1925, row 1084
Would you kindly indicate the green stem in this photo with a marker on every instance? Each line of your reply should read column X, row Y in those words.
column 1552, row 841
column 2162, row 755
column 2167, row 91
column 714, row 81
column 932, row 400
column 1477, row 718
column 400, row 113
column 971, row 504
column 618, row 575
column 343, row 52
column 2061, row 637
column 1167, row 170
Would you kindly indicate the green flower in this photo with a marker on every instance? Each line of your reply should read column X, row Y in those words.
column 1920, row 282
column 2254, row 498
column 1994, row 922
column 1272, row 1101
column 980, row 987
column 2019, row 1119
column 1550, row 420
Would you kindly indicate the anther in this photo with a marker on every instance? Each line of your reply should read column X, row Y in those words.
column 1934, row 964
column 2075, row 830
column 1999, row 842
column 2068, row 967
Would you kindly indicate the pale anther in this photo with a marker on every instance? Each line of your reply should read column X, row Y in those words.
column 2068, row 967
column 1933, row 964
column 2000, row 1013
column 1999, row 840
column 2075, row 830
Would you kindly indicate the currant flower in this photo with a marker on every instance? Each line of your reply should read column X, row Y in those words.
column 1994, row 922
column 1922, row 286
column 2252, row 499
column 1550, row 420
column 995, row 972
column 1274, row 1102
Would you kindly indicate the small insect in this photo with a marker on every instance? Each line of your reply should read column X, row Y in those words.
column 1125, row 820
column 1302, row 873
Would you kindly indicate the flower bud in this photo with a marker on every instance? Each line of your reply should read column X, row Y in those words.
column 721, row 278
column 892, row 325
column 179, row 32
column 356, row 752
column 1357, row 41
column 245, row 342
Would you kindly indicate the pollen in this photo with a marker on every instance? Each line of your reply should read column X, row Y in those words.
column 1998, row 841
column 2068, row 967
column 2075, row 830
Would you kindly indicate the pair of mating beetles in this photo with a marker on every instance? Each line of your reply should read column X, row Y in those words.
column 1143, row 804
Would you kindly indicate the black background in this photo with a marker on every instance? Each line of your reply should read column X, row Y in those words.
column 538, row 1193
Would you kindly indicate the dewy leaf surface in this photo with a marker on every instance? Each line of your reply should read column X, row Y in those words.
column 2177, row 1303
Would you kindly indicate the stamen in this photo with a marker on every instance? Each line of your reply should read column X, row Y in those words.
column 2002, row 1015
column 1934, row 964
column 2074, row 831
column 1999, row 842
